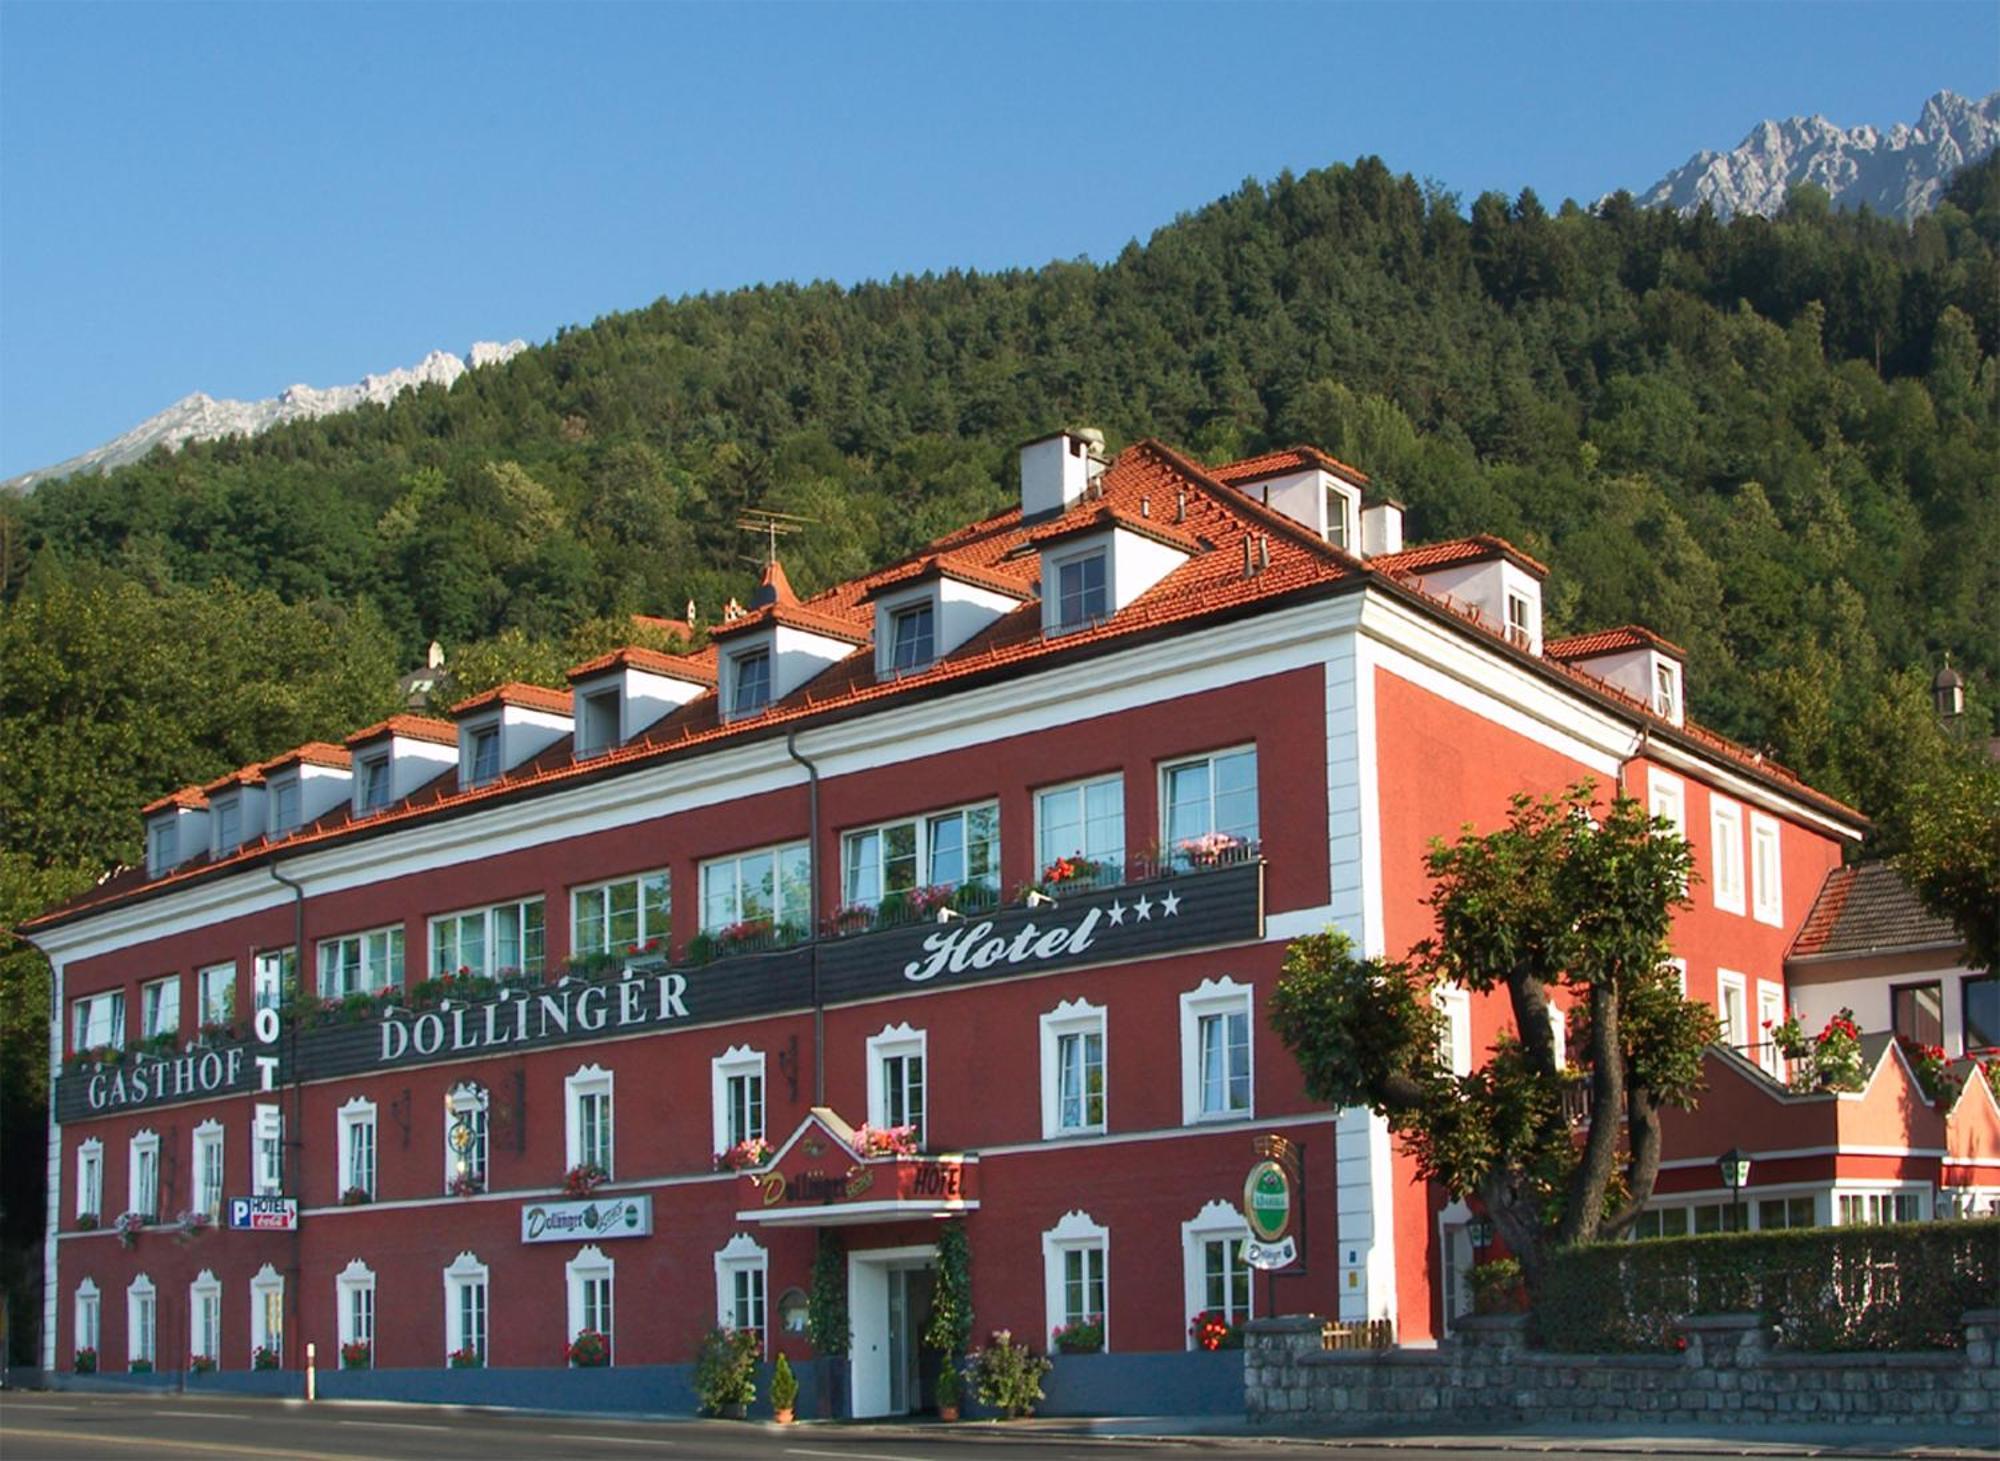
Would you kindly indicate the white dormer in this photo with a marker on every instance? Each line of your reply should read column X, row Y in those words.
column 1314, row 493
column 176, row 830
column 758, row 666
column 1635, row 660
column 1057, row 470
column 621, row 694
column 1501, row 586
column 504, row 727
column 1093, row 568
column 235, row 812
column 921, row 618
column 393, row 759
column 1381, row 527
column 304, row 785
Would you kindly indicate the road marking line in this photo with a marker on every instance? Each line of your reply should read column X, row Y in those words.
column 393, row 1425
column 38, row 1404
column 204, row 1414
column 196, row 1448
column 853, row 1455
column 609, row 1440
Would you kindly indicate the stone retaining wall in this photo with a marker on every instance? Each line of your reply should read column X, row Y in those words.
column 1728, row 1375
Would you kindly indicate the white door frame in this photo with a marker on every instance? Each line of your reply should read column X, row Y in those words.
column 868, row 1314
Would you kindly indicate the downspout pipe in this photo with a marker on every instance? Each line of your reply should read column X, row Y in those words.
column 813, row 933
column 295, row 1133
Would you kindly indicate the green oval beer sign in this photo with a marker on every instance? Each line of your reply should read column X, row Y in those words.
column 1267, row 1202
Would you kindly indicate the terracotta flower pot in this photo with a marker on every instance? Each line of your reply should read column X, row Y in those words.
column 782, row 1417
column 947, row 1412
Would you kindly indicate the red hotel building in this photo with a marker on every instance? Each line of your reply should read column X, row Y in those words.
column 1232, row 690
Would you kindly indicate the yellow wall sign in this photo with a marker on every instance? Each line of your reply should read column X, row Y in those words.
column 1267, row 1201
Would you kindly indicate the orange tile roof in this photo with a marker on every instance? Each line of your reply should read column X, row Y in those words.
column 189, row 798
column 242, row 776
column 1475, row 549
column 1869, row 908
column 313, row 753
column 797, row 616
column 933, row 566
column 1073, row 524
column 1609, row 641
column 1208, row 586
column 514, row 692
column 1290, row 459
column 410, row 727
column 699, row 668
column 664, row 626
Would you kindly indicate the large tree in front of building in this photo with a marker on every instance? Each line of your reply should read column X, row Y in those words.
column 1568, row 896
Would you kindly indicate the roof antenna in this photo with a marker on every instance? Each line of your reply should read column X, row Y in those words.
column 772, row 525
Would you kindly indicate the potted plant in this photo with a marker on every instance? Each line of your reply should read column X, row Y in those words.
column 583, row 1179
column 468, row 1358
column 752, row 1151
column 1085, row 1336
column 355, row 1196
column 1008, row 1376
column 86, row 1361
column 1213, row 1330
column 725, row 1372
column 86, row 1222
column 590, row 1350
column 948, row 1389
column 356, row 1354
column 201, row 1364
column 130, row 1224
column 464, row 1185
column 784, row 1391
column 264, row 1357
column 141, row 1366
column 886, row 1141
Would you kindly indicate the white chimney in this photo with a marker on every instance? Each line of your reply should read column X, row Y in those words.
column 1381, row 527
column 1057, row 470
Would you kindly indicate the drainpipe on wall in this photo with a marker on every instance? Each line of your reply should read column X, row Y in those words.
column 295, row 1135
column 812, row 933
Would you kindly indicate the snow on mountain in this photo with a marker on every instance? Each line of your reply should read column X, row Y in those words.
column 201, row 417
column 1901, row 172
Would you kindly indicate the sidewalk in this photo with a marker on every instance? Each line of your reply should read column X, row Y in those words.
column 1958, row 1443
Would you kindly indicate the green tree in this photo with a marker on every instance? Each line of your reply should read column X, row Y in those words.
column 1567, row 896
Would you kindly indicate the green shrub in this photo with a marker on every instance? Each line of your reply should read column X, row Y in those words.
column 725, row 1370
column 1900, row 1287
column 784, row 1386
column 1008, row 1376
column 1496, row 1287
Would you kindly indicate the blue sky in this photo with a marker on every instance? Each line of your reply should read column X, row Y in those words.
column 235, row 198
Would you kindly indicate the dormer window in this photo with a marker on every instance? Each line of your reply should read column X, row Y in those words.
column 752, row 690
column 1666, row 691
column 912, row 638
column 1520, row 620
column 485, row 755
column 161, row 844
column 1338, row 526
column 228, row 825
column 597, row 725
column 1081, row 591
column 285, row 805
column 374, row 774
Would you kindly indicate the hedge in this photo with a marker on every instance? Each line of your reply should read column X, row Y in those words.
column 1902, row 1286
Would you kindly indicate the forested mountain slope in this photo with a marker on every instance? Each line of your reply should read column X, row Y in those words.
column 1774, row 441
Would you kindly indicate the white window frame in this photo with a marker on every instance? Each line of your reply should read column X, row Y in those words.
column 142, row 1323
column 923, row 831
column 743, row 1256
column 211, row 1009
column 1680, row 967
column 591, row 737
column 1725, row 834
column 268, row 974
column 1075, row 1231
column 1047, row 851
column 1339, row 527
column 897, row 1042
column 207, row 1169
column 160, row 1006
column 1074, row 1018
column 205, row 1314
column 588, row 1081
column 598, row 939
column 162, row 845
column 778, row 853
column 351, row 1286
column 1454, row 1002
column 226, row 809
column 142, row 1174
column 1059, row 622
column 1767, row 883
column 267, row 1151
column 1217, row 1220
column 1520, row 620
column 1667, row 690
column 450, row 928
column 738, row 1062
column 466, row 1271
column 376, row 965
column 468, row 1099
column 86, row 1025
column 354, row 1117
column 285, row 819
column 1770, row 1007
column 373, row 783
column 87, row 1320
column 1877, row 1202
column 1163, row 778
column 1214, row 997
column 1666, row 796
column 1735, row 1033
column 907, row 613
column 90, row 1178
column 268, row 1284
column 590, row 1263
column 478, row 739
column 760, row 653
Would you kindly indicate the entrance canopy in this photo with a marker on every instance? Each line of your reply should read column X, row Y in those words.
column 828, row 1173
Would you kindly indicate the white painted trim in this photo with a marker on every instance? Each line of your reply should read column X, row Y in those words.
column 1812, row 1151
column 204, row 1286
column 1213, row 996
column 356, row 1278
column 358, row 1111
column 141, row 1287
column 737, row 1060
column 740, row 1254
column 1726, row 854
column 1218, row 1218
column 1071, row 1017
column 461, row 1271
column 265, row 1282
column 590, row 1079
column 887, row 1044
column 1075, row 1230
column 589, row 1263
column 1767, row 896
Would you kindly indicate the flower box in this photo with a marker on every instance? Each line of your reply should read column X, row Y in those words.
column 201, row 1364
column 465, row 1359
column 589, row 1350
column 1085, row 1336
column 1212, row 1330
column 264, row 1357
column 356, row 1354
column 356, row 1197
column 752, row 1151
column 583, row 1179
column 86, row 1361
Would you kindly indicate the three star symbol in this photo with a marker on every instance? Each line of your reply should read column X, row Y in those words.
column 1169, row 907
